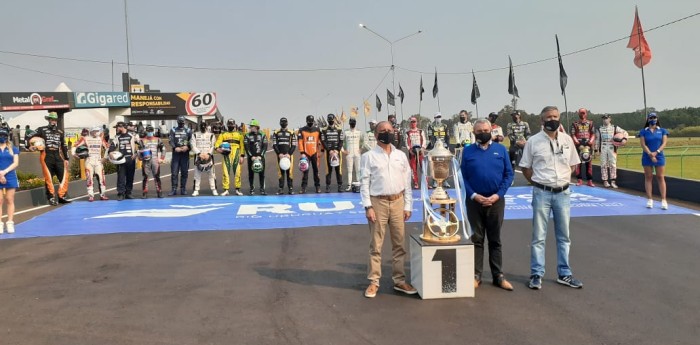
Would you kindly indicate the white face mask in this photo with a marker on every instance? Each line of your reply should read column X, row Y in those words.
column 606, row 121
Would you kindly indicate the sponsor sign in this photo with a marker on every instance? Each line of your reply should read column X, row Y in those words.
column 184, row 103
column 16, row 101
column 101, row 99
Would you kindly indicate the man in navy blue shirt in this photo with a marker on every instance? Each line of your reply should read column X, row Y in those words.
column 487, row 174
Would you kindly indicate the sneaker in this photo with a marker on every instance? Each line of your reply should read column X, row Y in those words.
column 348, row 188
column 570, row 281
column 415, row 186
column 405, row 288
column 183, row 192
column 590, row 183
column 434, row 184
column 502, row 283
column 606, row 184
column 120, row 197
column 340, row 189
column 371, row 291
column 159, row 194
column 91, row 198
column 579, row 182
column 214, row 192
column 104, row 197
column 144, row 195
column 613, row 184
column 664, row 205
column 172, row 193
column 303, row 190
column 328, row 189
column 63, row 201
column 291, row 191
column 650, row 203
column 195, row 193
column 262, row 192
column 225, row 193
column 279, row 191
column 535, row 282
column 238, row 192
column 445, row 184
column 10, row 227
column 251, row 192
column 318, row 189
column 128, row 196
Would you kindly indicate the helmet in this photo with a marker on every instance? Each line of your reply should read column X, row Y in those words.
column 283, row 122
column 285, row 163
column 493, row 115
column 181, row 120
column 149, row 128
column 225, row 148
column 82, row 152
column 355, row 187
column 52, row 116
column 117, row 157
column 38, row 143
column 619, row 139
column 334, row 158
column 585, row 154
column 96, row 130
column 257, row 165
column 84, row 132
column 255, row 122
column 204, row 165
column 437, row 116
column 303, row 164
column 330, row 117
column 145, row 154
column 352, row 121
column 309, row 118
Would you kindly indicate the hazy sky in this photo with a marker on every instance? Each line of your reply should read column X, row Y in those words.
column 457, row 36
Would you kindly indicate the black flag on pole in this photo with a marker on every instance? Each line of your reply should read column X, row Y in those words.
column 435, row 87
column 563, row 78
column 512, row 89
column 400, row 93
column 475, row 89
column 379, row 104
column 422, row 90
column 390, row 98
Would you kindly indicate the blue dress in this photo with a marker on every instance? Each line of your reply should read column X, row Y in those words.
column 6, row 159
column 653, row 141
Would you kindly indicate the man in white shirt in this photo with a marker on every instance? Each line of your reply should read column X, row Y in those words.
column 385, row 178
column 548, row 158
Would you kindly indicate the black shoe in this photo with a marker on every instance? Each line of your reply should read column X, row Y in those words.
column 328, row 189
column 251, row 192
column 535, row 282
column 262, row 192
column 340, row 189
column 144, row 195
column 63, row 201
column 53, row 202
column 160, row 194
column 120, row 197
column 303, row 191
column 128, row 196
column 291, row 191
column 279, row 191
column 172, row 193
column 183, row 192
column 570, row 281
column 318, row 189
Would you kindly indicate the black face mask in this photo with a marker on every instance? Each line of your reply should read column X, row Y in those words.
column 231, row 128
column 551, row 125
column 482, row 138
column 310, row 123
column 463, row 119
column 385, row 137
column 283, row 124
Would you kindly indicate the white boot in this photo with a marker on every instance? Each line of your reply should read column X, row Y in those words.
column 214, row 192
column 225, row 193
column 195, row 193
column 10, row 227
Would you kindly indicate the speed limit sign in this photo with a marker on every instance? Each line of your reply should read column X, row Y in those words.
column 201, row 103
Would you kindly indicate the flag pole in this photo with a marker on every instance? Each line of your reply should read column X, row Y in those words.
column 641, row 59
column 566, row 110
column 477, row 109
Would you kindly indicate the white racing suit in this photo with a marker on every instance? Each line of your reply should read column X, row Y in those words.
column 608, row 151
column 463, row 134
column 203, row 143
column 93, row 164
column 369, row 141
column 352, row 147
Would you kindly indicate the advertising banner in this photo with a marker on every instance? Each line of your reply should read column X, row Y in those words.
column 184, row 103
column 101, row 99
column 18, row 101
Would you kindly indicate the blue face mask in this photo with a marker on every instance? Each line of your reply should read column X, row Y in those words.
column 652, row 122
column 3, row 139
column 149, row 134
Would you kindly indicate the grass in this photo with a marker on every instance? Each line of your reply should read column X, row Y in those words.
column 682, row 157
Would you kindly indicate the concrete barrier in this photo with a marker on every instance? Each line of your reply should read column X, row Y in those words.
column 676, row 188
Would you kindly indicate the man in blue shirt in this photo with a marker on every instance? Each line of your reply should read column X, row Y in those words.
column 487, row 174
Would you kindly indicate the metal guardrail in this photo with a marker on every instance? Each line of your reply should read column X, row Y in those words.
column 689, row 157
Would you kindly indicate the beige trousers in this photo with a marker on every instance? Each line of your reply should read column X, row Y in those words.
column 389, row 215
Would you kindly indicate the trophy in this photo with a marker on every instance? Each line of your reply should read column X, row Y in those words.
column 440, row 222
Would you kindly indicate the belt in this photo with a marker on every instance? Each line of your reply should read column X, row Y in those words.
column 550, row 189
column 390, row 197
column 50, row 149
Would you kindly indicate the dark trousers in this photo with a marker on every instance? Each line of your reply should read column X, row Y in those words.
column 125, row 176
column 251, row 174
column 329, row 170
column 180, row 163
column 486, row 223
column 285, row 174
column 313, row 161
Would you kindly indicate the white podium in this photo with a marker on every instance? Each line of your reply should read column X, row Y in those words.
column 442, row 270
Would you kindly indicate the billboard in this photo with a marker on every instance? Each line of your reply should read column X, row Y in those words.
column 101, row 99
column 17, row 101
column 183, row 103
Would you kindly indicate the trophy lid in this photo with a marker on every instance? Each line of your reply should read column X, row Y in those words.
column 439, row 150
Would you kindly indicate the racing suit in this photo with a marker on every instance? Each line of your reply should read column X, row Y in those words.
column 463, row 134
column 203, row 143
column 332, row 139
column 352, row 148
column 93, row 164
column 369, row 141
column 309, row 142
column 608, row 151
column 124, row 143
column 151, row 167
column 583, row 134
column 54, row 160
column 416, row 142
column 180, row 163
column 496, row 131
column 255, row 146
column 398, row 136
column 437, row 130
column 517, row 131
column 232, row 160
column 284, row 142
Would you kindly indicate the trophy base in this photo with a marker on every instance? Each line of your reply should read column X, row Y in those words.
column 437, row 240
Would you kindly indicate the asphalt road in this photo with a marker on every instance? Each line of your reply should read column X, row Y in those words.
column 304, row 286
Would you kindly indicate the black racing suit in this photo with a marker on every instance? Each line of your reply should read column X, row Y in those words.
column 180, row 163
column 54, row 160
column 517, row 131
column 124, row 143
column 437, row 130
column 398, row 136
column 332, row 140
column 255, row 146
column 284, row 142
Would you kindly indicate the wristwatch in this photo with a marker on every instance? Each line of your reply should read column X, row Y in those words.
column 658, row 151
column 367, row 207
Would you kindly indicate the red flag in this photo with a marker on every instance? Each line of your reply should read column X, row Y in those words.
column 642, row 52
